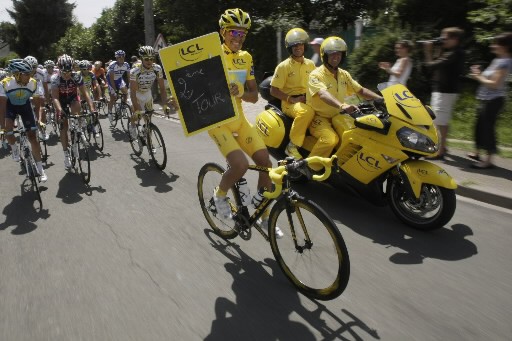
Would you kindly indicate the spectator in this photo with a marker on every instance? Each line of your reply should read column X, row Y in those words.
column 401, row 70
column 491, row 96
column 315, row 45
column 446, row 69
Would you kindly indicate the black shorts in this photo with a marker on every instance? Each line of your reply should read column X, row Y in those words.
column 25, row 112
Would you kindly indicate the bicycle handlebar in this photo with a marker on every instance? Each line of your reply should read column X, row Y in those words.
column 277, row 174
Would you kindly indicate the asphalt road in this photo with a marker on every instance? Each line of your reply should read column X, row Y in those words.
column 130, row 257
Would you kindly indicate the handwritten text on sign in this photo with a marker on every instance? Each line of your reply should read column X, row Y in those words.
column 202, row 93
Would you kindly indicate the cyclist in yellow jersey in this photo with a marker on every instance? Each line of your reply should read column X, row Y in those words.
column 328, row 86
column 235, row 138
column 289, row 85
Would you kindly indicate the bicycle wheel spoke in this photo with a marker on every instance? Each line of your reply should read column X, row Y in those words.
column 208, row 179
column 156, row 146
column 316, row 262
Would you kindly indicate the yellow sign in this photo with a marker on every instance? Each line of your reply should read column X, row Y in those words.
column 198, row 78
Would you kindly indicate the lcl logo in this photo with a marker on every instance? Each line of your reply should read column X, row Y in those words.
column 191, row 52
column 404, row 95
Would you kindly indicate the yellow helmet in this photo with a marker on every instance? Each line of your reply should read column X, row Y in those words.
column 235, row 17
column 295, row 36
column 333, row 44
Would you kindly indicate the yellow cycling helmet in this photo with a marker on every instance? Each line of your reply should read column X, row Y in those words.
column 296, row 36
column 235, row 17
column 333, row 44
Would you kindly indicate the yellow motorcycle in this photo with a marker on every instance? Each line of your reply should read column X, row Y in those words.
column 381, row 155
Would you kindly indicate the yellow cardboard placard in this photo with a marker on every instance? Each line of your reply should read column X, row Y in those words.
column 198, row 78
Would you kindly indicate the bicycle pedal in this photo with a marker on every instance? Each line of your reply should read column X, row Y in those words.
column 245, row 234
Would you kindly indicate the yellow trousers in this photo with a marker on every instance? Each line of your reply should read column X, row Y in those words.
column 302, row 115
column 327, row 138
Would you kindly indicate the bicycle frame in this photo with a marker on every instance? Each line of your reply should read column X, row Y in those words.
column 279, row 178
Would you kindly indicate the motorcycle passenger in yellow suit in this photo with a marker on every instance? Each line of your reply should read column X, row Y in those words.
column 328, row 86
column 289, row 85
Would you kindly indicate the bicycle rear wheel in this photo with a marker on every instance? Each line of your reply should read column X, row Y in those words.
column 208, row 180
column 317, row 263
column 115, row 116
column 137, row 143
column 156, row 146
column 125, row 113
column 84, row 162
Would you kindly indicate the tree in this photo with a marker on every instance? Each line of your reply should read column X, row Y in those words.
column 77, row 42
column 37, row 25
column 490, row 18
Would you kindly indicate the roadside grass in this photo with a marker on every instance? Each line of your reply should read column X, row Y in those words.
column 462, row 125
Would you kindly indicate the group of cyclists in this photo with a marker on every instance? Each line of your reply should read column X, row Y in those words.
column 313, row 96
column 26, row 88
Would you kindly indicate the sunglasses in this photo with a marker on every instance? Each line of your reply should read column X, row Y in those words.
column 146, row 59
column 66, row 72
column 237, row 33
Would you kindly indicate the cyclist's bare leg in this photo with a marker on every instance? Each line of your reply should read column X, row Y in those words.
column 238, row 165
column 9, row 126
column 36, row 148
column 261, row 158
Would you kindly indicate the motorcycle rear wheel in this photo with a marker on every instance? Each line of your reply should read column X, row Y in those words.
column 432, row 210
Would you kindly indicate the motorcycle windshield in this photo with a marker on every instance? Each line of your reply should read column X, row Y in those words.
column 402, row 104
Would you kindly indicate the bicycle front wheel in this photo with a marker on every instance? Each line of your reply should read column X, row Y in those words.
column 137, row 142
column 156, row 147
column 316, row 261
column 207, row 181
column 125, row 113
column 84, row 162
column 97, row 134
column 33, row 175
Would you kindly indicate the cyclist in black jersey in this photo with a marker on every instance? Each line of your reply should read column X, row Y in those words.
column 66, row 90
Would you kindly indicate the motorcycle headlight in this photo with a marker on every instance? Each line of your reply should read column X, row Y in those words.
column 414, row 140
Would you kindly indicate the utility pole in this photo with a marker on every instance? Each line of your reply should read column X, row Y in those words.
column 149, row 24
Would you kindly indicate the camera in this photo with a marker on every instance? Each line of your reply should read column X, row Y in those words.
column 435, row 41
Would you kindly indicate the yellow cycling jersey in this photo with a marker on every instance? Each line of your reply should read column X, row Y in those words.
column 322, row 78
column 19, row 94
column 291, row 76
column 241, row 60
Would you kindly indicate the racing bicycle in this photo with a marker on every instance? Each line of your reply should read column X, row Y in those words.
column 94, row 130
column 312, row 253
column 78, row 148
column 149, row 135
column 122, row 112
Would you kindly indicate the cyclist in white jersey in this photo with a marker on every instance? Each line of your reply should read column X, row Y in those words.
column 115, row 81
column 38, row 102
column 142, row 77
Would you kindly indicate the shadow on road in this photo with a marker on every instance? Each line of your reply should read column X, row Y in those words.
column 380, row 225
column 265, row 302
column 150, row 176
column 72, row 188
column 465, row 165
column 23, row 211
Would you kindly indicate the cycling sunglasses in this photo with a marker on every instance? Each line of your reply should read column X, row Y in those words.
column 148, row 59
column 237, row 33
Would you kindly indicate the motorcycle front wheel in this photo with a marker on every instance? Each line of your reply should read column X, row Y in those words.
column 432, row 210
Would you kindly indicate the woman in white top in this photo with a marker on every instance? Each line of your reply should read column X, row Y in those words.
column 401, row 70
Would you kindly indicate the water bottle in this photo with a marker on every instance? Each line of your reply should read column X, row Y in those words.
column 258, row 198
column 245, row 193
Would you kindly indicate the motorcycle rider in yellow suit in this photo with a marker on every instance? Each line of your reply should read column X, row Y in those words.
column 327, row 89
column 289, row 85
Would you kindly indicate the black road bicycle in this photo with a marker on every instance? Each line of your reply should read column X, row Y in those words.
column 312, row 253
column 150, row 136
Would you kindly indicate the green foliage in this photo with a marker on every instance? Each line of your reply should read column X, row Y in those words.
column 5, row 59
column 77, row 42
column 37, row 25
column 490, row 17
